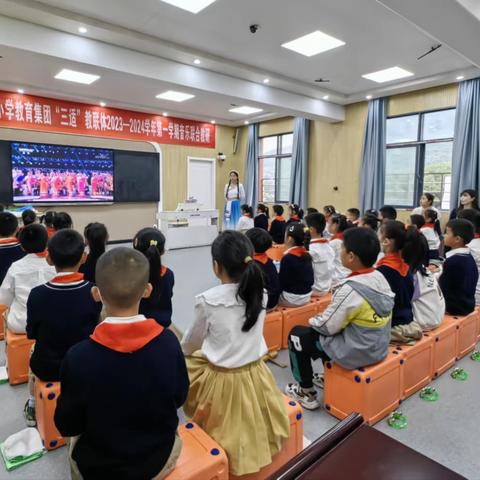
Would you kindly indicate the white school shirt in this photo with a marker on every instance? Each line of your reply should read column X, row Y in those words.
column 245, row 223
column 432, row 237
column 474, row 247
column 233, row 193
column 323, row 259
column 421, row 210
column 428, row 304
column 339, row 272
column 23, row 275
column 217, row 329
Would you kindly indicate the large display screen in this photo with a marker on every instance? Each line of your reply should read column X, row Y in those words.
column 59, row 174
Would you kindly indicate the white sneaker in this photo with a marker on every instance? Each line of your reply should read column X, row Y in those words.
column 307, row 400
column 318, row 380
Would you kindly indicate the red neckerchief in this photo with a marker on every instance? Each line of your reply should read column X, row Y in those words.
column 477, row 235
column 294, row 218
column 338, row 236
column 70, row 278
column 261, row 258
column 428, row 225
column 50, row 232
column 297, row 251
column 279, row 218
column 163, row 271
column 319, row 240
column 127, row 337
column 9, row 240
column 362, row 271
column 396, row 262
column 42, row 254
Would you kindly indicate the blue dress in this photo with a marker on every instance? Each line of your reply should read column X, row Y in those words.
column 231, row 213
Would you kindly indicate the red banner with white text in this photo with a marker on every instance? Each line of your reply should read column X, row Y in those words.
column 30, row 112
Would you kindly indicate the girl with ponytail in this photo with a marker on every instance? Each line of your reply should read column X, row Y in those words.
column 96, row 238
column 231, row 389
column 263, row 215
column 151, row 242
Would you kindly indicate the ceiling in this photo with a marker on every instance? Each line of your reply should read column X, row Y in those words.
column 144, row 47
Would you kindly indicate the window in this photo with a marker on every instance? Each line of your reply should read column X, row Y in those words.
column 275, row 161
column 419, row 158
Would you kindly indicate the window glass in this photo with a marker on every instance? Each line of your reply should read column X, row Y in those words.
column 438, row 125
column 268, row 146
column 268, row 180
column 287, row 143
column 284, row 172
column 438, row 172
column 400, row 176
column 402, row 129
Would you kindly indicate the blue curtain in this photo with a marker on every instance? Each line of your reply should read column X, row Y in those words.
column 372, row 173
column 298, row 176
column 251, row 169
column 466, row 142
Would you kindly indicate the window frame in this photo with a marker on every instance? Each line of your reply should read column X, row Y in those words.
column 419, row 144
column 278, row 155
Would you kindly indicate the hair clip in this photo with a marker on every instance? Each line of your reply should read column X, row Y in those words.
column 153, row 243
column 306, row 229
column 247, row 260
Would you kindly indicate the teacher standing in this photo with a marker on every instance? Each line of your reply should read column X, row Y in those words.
column 234, row 198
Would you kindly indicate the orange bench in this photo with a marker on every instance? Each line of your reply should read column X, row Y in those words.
column 291, row 447
column 466, row 333
column 293, row 316
column 201, row 457
column 46, row 395
column 17, row 350
column 416, row 370
column 323, row 302
column 445, row 346
column 371, row 391
column 3, row 310
column 276, row 252
column 272, row 330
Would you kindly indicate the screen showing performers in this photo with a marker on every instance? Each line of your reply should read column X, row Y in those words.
column 54, row 174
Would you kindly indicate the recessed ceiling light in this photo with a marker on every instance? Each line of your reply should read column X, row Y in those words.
column 82, row 30
column 213, row 121
column 20, row 90
column 368, row 97
column 173, row 96
column 325, row 97
column 246, row 122
column 103, row 104
column 78, row 77
column 245, row 110
column 388, row 75
column 266, row 80
column 193, row 6
column 460, row 77
column 313, row 43
column 165, row 114
column 197, row 61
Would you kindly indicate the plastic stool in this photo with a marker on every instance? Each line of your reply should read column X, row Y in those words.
column 322, row 302
column 296, row 316
column 272, row 330
column 3, row 309
column 275, row 253
column 445, row 346
column 17, row 350
column 291, row 447
column 46, row 395
column 201, row 457
column 466, row 329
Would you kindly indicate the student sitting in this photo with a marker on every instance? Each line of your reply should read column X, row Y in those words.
column 323, row 256
column 369, row 221
column 151, row 242
column 121, row 388
column 459, row 278
column 10, row 248
column 353, row 216
column 246, row 220
column 233, row 395
column 426, row 203
column 387, row 213
column 261, row 220
column 277, row 227
column 73, row 318
column 261, row 242
column 96, row 238
column 432, row 232
column 23, row 275
column 418, row 221
column 337, row 224
column 296, row 270
column 28, row 217
column 401, row 247
column 311, row 210
column 474, row 247
column 354, row 331
column 328, row 211
column 295, row 214
column 48, row 219
column 62, row 220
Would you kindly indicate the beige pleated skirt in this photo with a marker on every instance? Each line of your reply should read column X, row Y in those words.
column 242, row 409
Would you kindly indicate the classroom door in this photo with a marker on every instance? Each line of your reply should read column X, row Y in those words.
column 201, row 181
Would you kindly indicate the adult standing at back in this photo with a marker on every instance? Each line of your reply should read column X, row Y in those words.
column 468, row 200
column 234, row 197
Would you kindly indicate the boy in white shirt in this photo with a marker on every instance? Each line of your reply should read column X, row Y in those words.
column 426, row 203
column 323, row 256
column 431, row 231
column 25, row 274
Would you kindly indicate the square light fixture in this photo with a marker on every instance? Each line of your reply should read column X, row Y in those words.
column 193, row 6
column 245, row 110
column 173, row 96
column 388, row 75
column 313, row 43
column 77, row 77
